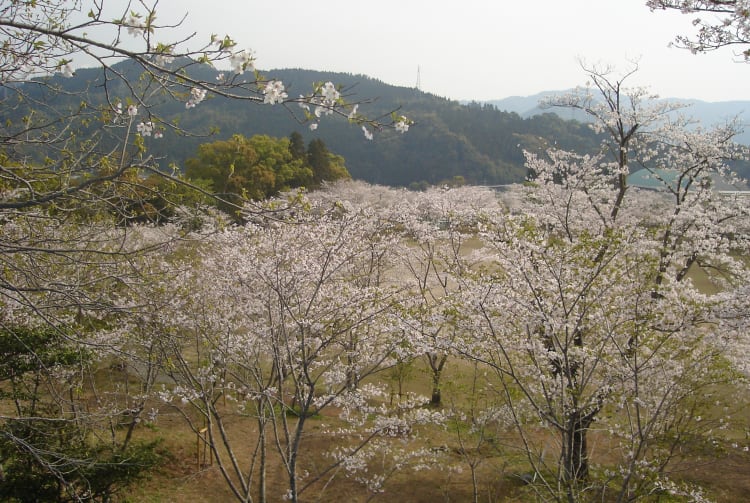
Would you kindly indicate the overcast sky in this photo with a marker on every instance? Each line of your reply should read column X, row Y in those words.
column 471, row 49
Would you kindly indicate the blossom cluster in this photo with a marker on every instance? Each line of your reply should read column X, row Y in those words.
column 728, row 24
column 164, row 58
column 144, row 128
column 274, row 92
column 324, row 98
column 67, row 70
column 241, row 61
column 402, row 124
column 134, row 24
column 147, row 129
column 196, row 96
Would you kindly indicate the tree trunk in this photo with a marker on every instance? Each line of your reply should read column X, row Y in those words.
column 436, row 399
column 579, row 452
column 436, row 362
column 575, row 449
column 352, row 380
column 263, row 459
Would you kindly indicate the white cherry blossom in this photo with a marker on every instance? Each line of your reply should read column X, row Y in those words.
column 330, row 93
column 164, row 59
column 196, row 96
column 145, row 128
column 241, row 61
column 134, row 24
column 67, row 70
column 274, row 92
column 402, row 124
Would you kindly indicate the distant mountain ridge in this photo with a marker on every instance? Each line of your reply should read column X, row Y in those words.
column 449, row 142
column 706, row 112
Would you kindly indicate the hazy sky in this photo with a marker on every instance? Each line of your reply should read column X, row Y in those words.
column 471, row 49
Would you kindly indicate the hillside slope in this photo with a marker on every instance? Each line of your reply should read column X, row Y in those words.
column 475, row 141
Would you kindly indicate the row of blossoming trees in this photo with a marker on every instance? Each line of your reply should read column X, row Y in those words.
column 573, row 300
column 587, row 307
column 576, row 298
column 73, row 169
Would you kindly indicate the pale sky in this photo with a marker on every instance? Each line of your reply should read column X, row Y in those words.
column 471, row 49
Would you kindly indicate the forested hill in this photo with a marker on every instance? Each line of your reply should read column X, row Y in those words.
column 477, row 142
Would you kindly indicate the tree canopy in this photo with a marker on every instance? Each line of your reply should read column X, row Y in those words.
column 261, row 166
column 727, row 23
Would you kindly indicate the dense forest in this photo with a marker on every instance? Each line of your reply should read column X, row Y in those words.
column 475, row 143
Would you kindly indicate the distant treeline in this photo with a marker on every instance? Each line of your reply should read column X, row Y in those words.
column 475, row 143
column 478, row 143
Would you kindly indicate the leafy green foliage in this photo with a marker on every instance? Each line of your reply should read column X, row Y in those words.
column 326, row 166
column 44, row 455
column 45, row 459
column 255, row 168
column 28, row 350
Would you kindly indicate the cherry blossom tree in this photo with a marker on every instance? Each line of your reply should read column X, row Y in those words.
column 719, row 23
column 73, row 170
column 438, row 224
column 64, row 431
column 586, row 309
column 279, row 321
column 72, row 157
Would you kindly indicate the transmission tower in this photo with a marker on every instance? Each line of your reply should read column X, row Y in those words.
column 419, row 80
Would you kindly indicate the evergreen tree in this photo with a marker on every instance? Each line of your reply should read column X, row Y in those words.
column 297, row 145
column 325, row 165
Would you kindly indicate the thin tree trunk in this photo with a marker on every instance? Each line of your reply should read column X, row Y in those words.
column 262, row 440
column 575, row 450
column 579, row 451
column 436, row 399
column 474, row 482
column 437, row 363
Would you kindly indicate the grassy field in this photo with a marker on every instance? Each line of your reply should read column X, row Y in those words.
column 495, row 464
column 723, row 471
